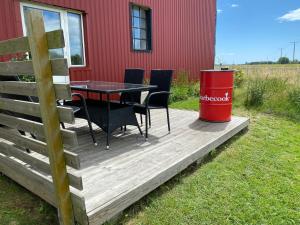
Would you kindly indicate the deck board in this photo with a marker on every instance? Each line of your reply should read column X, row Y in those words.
column 114, row 179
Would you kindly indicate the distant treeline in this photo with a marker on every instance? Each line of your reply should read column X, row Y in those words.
column 281, row 60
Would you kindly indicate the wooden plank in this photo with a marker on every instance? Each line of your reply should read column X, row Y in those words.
column 59, row 68
column 41, row 165
column 21, row 44
column 55, row 39
column 50, row 116
column 41, row 186
column 40, row 147
column 33, row 109
column 13, row 46
column 62, row 91
column 35, row 128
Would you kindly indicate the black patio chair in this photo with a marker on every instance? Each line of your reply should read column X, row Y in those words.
column 133, row 76
column 157, row 98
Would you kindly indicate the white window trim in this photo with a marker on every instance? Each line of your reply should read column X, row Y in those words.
column 64, row 25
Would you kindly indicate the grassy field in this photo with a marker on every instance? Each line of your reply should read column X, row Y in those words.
column 252, row 179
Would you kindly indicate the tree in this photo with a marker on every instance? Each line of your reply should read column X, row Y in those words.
column 283, row 60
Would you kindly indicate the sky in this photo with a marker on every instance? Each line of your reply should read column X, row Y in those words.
column 256, row 30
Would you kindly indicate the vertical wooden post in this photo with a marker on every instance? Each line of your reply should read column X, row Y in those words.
column 46, row 93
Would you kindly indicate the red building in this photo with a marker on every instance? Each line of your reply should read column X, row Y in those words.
column 103, row 37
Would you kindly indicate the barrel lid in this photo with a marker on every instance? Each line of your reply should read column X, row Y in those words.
column 220, row 70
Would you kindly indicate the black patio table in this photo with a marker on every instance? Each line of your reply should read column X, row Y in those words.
column 108, row 115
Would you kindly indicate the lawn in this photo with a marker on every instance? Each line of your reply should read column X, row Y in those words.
column 252, row 179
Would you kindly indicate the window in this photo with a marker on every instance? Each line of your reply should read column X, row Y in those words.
column 70, row 22
column 141, row 28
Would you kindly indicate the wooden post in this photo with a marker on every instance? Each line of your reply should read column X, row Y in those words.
column 50, row 117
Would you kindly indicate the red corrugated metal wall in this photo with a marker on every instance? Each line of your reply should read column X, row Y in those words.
column 183, row 35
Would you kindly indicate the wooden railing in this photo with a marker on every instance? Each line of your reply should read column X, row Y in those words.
column 52, row 138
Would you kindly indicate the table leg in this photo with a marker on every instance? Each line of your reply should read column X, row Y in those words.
column 108, row 126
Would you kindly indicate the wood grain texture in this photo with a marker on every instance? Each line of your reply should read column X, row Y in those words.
column 59, row 68
column 43, row 166
column 40, row 147
column 18, row 45
column 13, row 46
column 33, row 109
column 36, row 128
column 62, row 91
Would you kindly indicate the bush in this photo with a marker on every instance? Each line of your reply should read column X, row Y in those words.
column 256, row 92
column 182, row 88
column 239, row 78
column 179, row 93
column 294, row 98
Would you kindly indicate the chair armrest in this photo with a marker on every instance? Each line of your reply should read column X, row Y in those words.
column 82, row 99
column 155, row 93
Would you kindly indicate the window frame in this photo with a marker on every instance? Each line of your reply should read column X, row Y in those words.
column 148, row 29
column 64, row 26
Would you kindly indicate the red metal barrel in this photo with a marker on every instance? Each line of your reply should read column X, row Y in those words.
column 216, row 95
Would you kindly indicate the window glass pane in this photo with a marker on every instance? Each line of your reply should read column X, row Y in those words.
column 52, row 22
column 136, row 11
column 137, row 44
column 143, row 23
column 143, row 34
column 136, row 33
column 75, row 39
column 143, row 13
column 143, row 45
column 136, row 22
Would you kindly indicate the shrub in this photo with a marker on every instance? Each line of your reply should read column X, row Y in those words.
column 239, row 78
column 182, row 88
column 294, row 98
column 179, row 93
column 275, row 85
column 256, row 92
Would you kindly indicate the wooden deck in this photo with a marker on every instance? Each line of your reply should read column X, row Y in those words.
column 113, row 180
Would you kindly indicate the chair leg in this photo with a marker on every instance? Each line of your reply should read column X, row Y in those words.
column 146, row 136
column 141, row 116
column 90, row 125
column 140, row 130
column 168, row 118
column 107, row 140
column 23, row 133
column 149, row 118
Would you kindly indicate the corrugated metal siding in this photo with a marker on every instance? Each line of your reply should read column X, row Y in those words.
column 183, row 35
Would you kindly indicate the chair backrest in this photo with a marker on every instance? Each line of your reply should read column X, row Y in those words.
column 163, row 80
column 133, row 76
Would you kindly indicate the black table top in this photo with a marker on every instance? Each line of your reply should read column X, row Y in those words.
column 108, row 87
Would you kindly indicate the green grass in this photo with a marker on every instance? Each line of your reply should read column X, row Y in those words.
column 19, row 207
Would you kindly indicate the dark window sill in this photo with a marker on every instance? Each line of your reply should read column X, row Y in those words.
column 141, row 51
